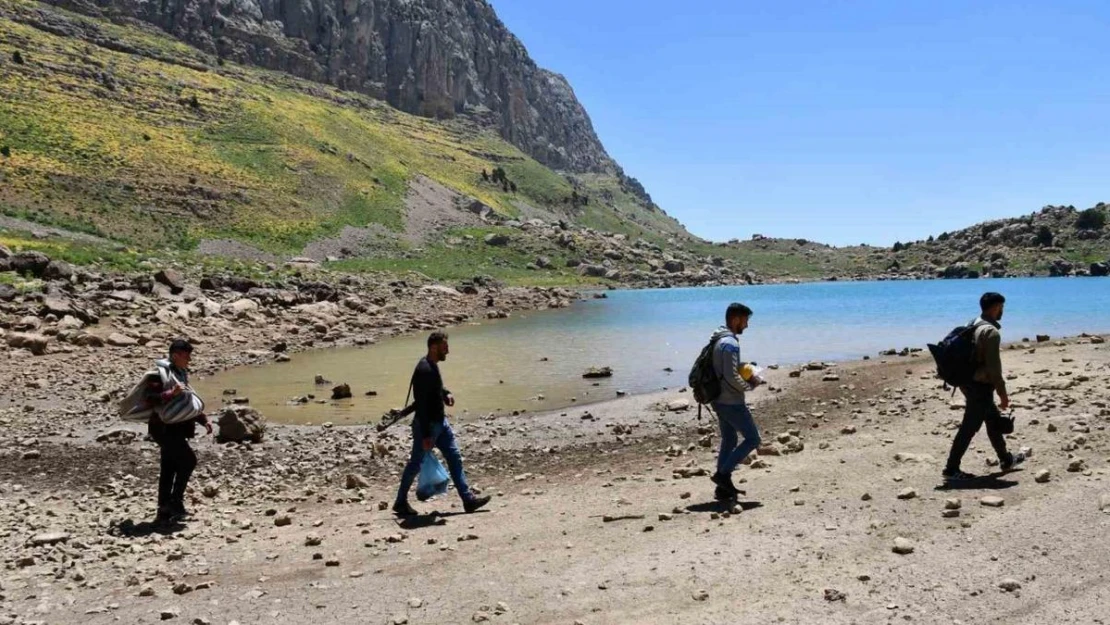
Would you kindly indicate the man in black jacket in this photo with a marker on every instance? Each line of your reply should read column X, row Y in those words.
column 177, row 457
column 430, row 428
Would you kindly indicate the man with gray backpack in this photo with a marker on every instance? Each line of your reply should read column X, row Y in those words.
column 715, row 379
column 171, row 425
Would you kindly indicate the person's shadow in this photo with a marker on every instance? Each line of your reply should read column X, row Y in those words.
column 142, row 529
column 993, row 481
column 430, row 519
column 723, row 506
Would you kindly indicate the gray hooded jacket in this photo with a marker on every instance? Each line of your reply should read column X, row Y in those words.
column 726, row 362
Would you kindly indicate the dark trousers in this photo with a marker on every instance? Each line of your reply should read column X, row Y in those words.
column 178, row 462
column 980, row 409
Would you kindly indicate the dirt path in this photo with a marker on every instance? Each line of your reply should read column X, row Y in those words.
column 814, row 525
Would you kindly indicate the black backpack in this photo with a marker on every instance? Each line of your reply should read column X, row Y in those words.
column 704, row 381
column 955, row 356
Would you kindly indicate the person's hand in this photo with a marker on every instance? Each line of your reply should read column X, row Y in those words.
column 429, row 443
column 207, row 425
column 449, row 400
column 177, row 390
column 1003, row 401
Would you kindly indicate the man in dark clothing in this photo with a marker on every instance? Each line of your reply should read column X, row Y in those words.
column 178, row 459
column 979, row 394
column 431, row 429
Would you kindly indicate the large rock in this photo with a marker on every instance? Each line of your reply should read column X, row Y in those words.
column 60, row 306
column 1099, row 270
column 593, row 271
column 172, row 279
column 497, row 239
column 30, row 263
column 239, row 424
column 58, row 270
column 35, row 343
column 342, row 391
column 7, row 292
column 674, row 266
column 116, row 339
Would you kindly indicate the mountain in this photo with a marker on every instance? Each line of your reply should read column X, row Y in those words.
column 434, row 58
column 111, row 126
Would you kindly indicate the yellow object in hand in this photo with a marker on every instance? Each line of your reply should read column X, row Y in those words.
column 746, row 371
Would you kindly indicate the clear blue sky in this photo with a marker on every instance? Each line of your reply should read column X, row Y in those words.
column 839, row 121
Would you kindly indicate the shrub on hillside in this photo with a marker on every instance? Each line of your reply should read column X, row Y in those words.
column 1091, row 219
column 1044, row 236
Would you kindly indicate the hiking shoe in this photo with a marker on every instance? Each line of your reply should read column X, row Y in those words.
column 178, row 511
column 474, row 503
column 957, row 476
column 403, row 509
column 1015, row 460
column 164, row 516
column 724, row 482
column 722, row 494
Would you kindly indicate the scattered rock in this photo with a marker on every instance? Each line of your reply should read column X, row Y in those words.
column 343, row 391
column 907, row 493
column 598, row 372
column 832, row 594
column 1077, row 465
column 992, row 501
column 952, row 504
column 116, row 339
column 169, row 613
column 1043, row 476
column 701, row 595
column 678, row 405
column 1009, row 584
column 49, row 538
column 357, row 481
column 903, row 546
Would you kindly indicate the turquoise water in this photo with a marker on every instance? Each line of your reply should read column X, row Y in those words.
column 499, row 366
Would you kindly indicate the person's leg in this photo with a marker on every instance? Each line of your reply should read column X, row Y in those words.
column 186, row 462
column 167, row 469
column 412, row 469
column 741, row 419
column 448, row 445
column 729, row 440
column 992, row 417
column 973, row 420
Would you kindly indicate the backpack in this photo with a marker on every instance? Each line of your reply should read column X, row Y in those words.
column 704, row 381
column 955, row 356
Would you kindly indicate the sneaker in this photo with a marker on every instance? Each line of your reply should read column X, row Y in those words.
column 724, row 482
column 957, row 476
column 1015, row 460
column 403, row 509
column 474, row 503
column 722, row 494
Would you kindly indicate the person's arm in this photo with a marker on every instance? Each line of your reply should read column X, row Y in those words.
column 730, row 358
column 992, row 362
column 424, row 393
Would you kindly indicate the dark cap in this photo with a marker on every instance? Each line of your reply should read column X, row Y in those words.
column 181, row 345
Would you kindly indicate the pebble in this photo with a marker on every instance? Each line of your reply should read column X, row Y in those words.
column 952, row 504
column 169, row 613
column 832, row 594
column 1077, row 465
column 146, row 591
column 1009, row 584
column 1042, row 476
column 282, row 520
column 701, row 595
column 907, row 493
column 312, row 540
column 992, row 501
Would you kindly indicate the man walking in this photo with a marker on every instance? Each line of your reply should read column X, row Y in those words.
column 979, row 393
column 733, row 416
column 431, row 429
column 177, row 457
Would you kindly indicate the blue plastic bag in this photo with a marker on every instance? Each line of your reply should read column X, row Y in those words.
column 433, row 478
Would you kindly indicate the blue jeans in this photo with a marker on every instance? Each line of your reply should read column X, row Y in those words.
column 735, row 419
column 444, row 438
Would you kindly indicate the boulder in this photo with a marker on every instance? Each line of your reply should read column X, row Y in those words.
column 7, row 292
column 343, row 391
column 30, row 263
column 172, row 279
column 61, row 306
column 592, row 271
column 1099, row 270
column 674, row 266
column 240, row 423
column 58, row 270
column 243, row 307
column 116, row 339
column 35, row 343
column 598, row 372
column 496, row 239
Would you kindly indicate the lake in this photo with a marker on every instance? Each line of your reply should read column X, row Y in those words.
column 534, row 362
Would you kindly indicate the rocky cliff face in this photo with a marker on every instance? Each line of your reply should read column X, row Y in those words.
column 436, row 58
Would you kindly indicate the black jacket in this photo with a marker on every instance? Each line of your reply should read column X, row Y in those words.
column 429, row 395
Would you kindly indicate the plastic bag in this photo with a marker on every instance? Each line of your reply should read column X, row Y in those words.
column 433, row 478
